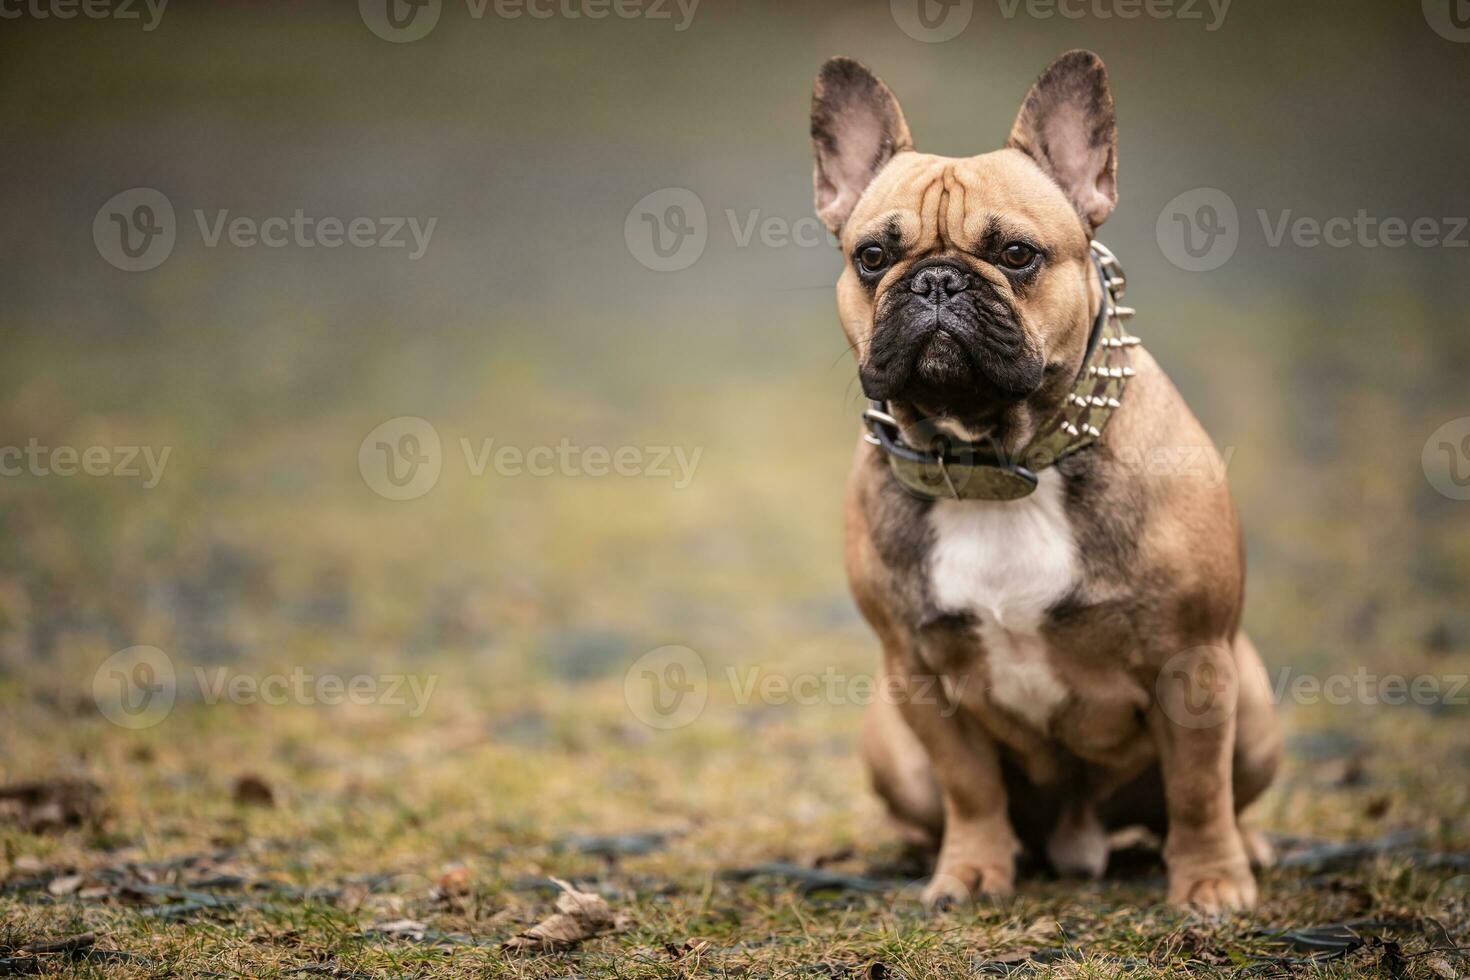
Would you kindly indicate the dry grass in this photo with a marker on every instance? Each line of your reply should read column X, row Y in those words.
column 527, row 601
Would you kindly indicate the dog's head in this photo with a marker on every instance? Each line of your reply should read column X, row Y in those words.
column 967, row 288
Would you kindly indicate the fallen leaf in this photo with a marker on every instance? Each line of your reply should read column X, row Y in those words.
column 1440, row 966
column 578, row 916
column 1044, row 927
column 689, row 947
column 1439, row 937
column 252, row 790
column 454, row 881
column 39, row 806
column 65, row 884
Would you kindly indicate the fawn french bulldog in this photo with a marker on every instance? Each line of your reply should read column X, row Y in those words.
column 1033, row 515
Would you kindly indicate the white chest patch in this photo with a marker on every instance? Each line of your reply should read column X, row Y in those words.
column 1006, row 562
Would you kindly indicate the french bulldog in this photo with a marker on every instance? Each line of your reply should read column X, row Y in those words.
column 1081, row 610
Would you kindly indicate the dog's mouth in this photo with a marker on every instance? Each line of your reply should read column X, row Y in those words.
column 960, row 352
column 942, row 360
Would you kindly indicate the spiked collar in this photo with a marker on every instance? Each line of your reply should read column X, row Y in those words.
column 954, row 469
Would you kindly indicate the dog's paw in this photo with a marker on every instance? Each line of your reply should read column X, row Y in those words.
column 1214, row 891
column 958, row 885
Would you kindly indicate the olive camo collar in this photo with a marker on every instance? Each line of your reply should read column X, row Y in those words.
column 955, row 469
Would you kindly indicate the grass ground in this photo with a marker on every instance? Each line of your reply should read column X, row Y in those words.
column 241, row 838
column 742, row 845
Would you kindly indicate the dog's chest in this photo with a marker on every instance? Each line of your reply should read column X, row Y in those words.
column 1006, row 563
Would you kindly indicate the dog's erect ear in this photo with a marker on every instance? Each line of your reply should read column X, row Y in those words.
column 1067, row 126
column 857, row 127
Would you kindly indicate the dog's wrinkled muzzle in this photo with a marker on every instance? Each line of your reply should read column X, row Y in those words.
column 944, row 338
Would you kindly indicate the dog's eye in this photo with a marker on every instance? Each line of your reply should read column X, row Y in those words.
column 872, row 258
column 1017, row 255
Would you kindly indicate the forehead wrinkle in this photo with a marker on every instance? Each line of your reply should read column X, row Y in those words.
column 972, row 222
column 958, row 203
column 929, row 210
column 941, row 216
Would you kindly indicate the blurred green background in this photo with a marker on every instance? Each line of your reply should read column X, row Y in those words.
column 530, row 319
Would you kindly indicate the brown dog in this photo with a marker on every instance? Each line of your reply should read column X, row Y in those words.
column 1033, row 517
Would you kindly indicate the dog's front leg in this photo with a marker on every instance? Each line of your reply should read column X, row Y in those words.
column 1193, row 723
column 977, row 855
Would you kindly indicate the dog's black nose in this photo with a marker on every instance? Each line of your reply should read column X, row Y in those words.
column 946, row 280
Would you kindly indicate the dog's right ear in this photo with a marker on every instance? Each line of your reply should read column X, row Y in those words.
column 857, row 127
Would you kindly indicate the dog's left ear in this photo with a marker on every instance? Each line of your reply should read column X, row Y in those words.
column 1067, row 126
column 857, row 127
